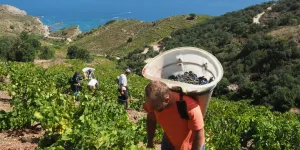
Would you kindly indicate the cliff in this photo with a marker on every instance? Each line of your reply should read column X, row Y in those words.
column 13, row 21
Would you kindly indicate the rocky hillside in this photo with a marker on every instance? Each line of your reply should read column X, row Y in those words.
column 123, row 36
column 68, row 32
column 13, row 21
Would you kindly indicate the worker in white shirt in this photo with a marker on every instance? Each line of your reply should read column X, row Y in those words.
column 123, row 88
column 93, row 83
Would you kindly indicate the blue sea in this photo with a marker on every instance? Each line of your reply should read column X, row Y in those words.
column 88, row 14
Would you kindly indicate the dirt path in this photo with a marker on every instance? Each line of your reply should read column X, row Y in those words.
column 25, row 139
column 145, row 50
column 47, row 63
column 155, row 47
column 258, row 16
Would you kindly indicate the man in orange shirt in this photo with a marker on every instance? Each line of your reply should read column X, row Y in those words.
column 180, row 134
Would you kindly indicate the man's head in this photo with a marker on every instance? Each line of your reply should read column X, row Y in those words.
column 157, row 95
column 127, row 72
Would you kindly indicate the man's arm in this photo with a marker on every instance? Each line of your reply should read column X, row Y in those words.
column 151, row 127
column 198, row 138
column 196, row 124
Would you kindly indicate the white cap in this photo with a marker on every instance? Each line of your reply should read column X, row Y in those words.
column 128, row 70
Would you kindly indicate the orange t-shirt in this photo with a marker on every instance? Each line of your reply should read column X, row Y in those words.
column 178, row 130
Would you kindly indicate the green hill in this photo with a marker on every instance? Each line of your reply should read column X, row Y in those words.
column 265, row 68
column 14, row 21
column 115, row 37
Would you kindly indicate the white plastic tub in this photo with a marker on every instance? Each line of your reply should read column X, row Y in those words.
column 182, row 59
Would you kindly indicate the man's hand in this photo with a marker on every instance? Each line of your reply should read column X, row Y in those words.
column 151, row 127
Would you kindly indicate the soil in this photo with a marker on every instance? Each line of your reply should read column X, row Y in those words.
column 135, row 116
column 295, row 110
column 24, row 139
column 4, row 80
column 157, row 146
column 5, row 100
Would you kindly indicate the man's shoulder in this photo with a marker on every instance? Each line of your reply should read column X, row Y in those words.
column 191, row 103
column 122, row 75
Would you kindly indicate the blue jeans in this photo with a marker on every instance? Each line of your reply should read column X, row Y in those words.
column 166, row 146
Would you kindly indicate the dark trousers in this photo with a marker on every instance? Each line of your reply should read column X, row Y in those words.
column 75, row 88
column 123, row 99
column 126, row 93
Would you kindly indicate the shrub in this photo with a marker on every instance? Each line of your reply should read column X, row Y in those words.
column 12, row 27
column 129, row 40
column 22, row 49
column 46, row 53
column 221, row 88
column 192, row 16
column 109, row 22
column 78, row 53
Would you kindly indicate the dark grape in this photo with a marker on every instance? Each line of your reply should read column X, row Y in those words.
column 190, row 78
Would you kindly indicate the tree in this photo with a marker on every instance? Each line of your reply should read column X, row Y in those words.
column 78, row 53
column 35, row 43
column 283, row 98
column 246, row 89
column 46, row 53
column 221, row 88
column 24, row 52
column 192, row 16
column 22, row 48
column 5, row 47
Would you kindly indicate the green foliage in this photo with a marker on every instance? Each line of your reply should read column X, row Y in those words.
column 232, row 125
column 129, row 40
column 192, row 16
column 46, row 53
column 283, row 98
column 75, row 52
column 110, row 22
column 288, row 13
column 221, row 88
column 12, row 27
column 22, row 49
column 248, row 54
column 6, row 45
column 135, row 60
column 98, row 122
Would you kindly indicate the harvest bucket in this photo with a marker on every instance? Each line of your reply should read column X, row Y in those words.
column 184, row 59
